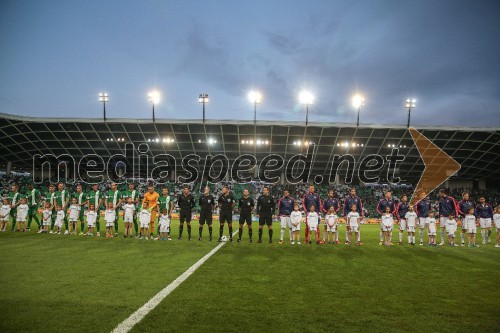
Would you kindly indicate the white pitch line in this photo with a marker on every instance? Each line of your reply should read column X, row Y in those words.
column 139, row 314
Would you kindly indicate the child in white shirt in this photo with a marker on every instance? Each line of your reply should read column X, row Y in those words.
column 451, row 228
column 22, row 214
column 164, row 225
column 4, row 214
column 74, row 214
column 59, row 219
column 387, row 222
column 91, row 220
column 144, row 218
column 431, row 226
column 313, row 221
column 296, row 218
column 496, row 220
column 47, row 217
column 331, row 222
column 469, row 222
column 352, row 225
column 128, row 217
column 411, row 223
column 109, row 218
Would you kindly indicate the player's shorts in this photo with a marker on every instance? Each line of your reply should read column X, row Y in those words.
column 354, row 228
column 81, row 214
column 410, row 228
column 266, row 220
column 296, row 227
column 386, row 227
column 6, row 219
column 432, row 230
column 485, row 223
column 226, row 216
column 313, row 226
column 184, row 216
column 21, row 219
column 164, row 227
column 90, row 224
column 442, row 221
column 471, row 227
column 402, row 224
column 58, row 224
column 110, row 224
column 128, row 218
column 422, row 221
column 154, row 216
column 497, row 224
column 246, row 217
column 451, row 229
column 13, row 213
column 205, row 217
column 73, row 219
column 333, row 228
column 285, row 221
column 47, row 223
column 145, row 225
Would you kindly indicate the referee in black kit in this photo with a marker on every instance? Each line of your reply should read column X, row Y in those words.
column 265, row 211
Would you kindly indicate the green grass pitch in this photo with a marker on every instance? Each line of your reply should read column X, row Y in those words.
column 57, row 283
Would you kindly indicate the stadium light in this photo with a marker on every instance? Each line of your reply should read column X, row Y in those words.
column 255, row 97
column 410, row 103
column 203, row 99
column 154, row 97
column 306, row 98
column 358, row 101
column 104, row 98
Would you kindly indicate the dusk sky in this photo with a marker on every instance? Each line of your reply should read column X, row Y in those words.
column 56, row 56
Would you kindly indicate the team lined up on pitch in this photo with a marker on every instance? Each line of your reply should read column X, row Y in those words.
column 60, row 208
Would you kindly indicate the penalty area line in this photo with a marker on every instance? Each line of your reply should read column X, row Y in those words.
column 139, row 314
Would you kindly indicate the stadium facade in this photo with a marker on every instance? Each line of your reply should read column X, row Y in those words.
column 476, row 149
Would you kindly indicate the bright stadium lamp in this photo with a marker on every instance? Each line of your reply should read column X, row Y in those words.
column 306, row 98
column 410, row 103
column 154, row 97
column 104, row 98
column 203, row 99
column 255, row 97
column 358, row 101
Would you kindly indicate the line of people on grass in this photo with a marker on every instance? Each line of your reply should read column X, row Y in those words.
column 62, row 208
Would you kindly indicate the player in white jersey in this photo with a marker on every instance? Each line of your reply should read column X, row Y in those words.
column 128, row 217
column 92, row 218
column 387, row 222
column 144, row 218
column 74, row 214
column 22, row 214
column 164, row 225
column 451, row 229
column 469, row 221
column 411, row 224
column 431, row 229
column 313, row 222
column 46, row 217
column 496, row 220
column 296, row 218
column 4, row 214
column 109, row 218
column 59, row 219
column 331, row 222
column 352, row 225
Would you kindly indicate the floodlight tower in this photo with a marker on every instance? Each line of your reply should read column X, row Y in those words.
column 358, row 101
column 203, row 99
column 306, row 98
column 410, row 103
column 104, row 98
column 154, row 98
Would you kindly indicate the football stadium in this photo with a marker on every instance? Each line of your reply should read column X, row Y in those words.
column 380, row 214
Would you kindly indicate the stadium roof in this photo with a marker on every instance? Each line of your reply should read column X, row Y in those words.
column 476, row 149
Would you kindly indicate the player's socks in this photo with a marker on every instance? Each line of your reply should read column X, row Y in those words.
column 282, row 233
column 230, row 231
column 240, row 232
column 421, row 235
column 260, row 234
column 82, row 226
column 337, row 236
column 98, row 226
column 482, row 234
column 381, row 236
column 409, row 239
column 66, row 224
column 200, row 231
column 29, row 221
column 189, row 231
column 221, row 230
column 13, row 224
column 401, row 237
column 210, row 231
column 270, row 234
column 359, row 236
column 442, row 235
column 181, row 228
column 250, row 233
column 462, row 237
